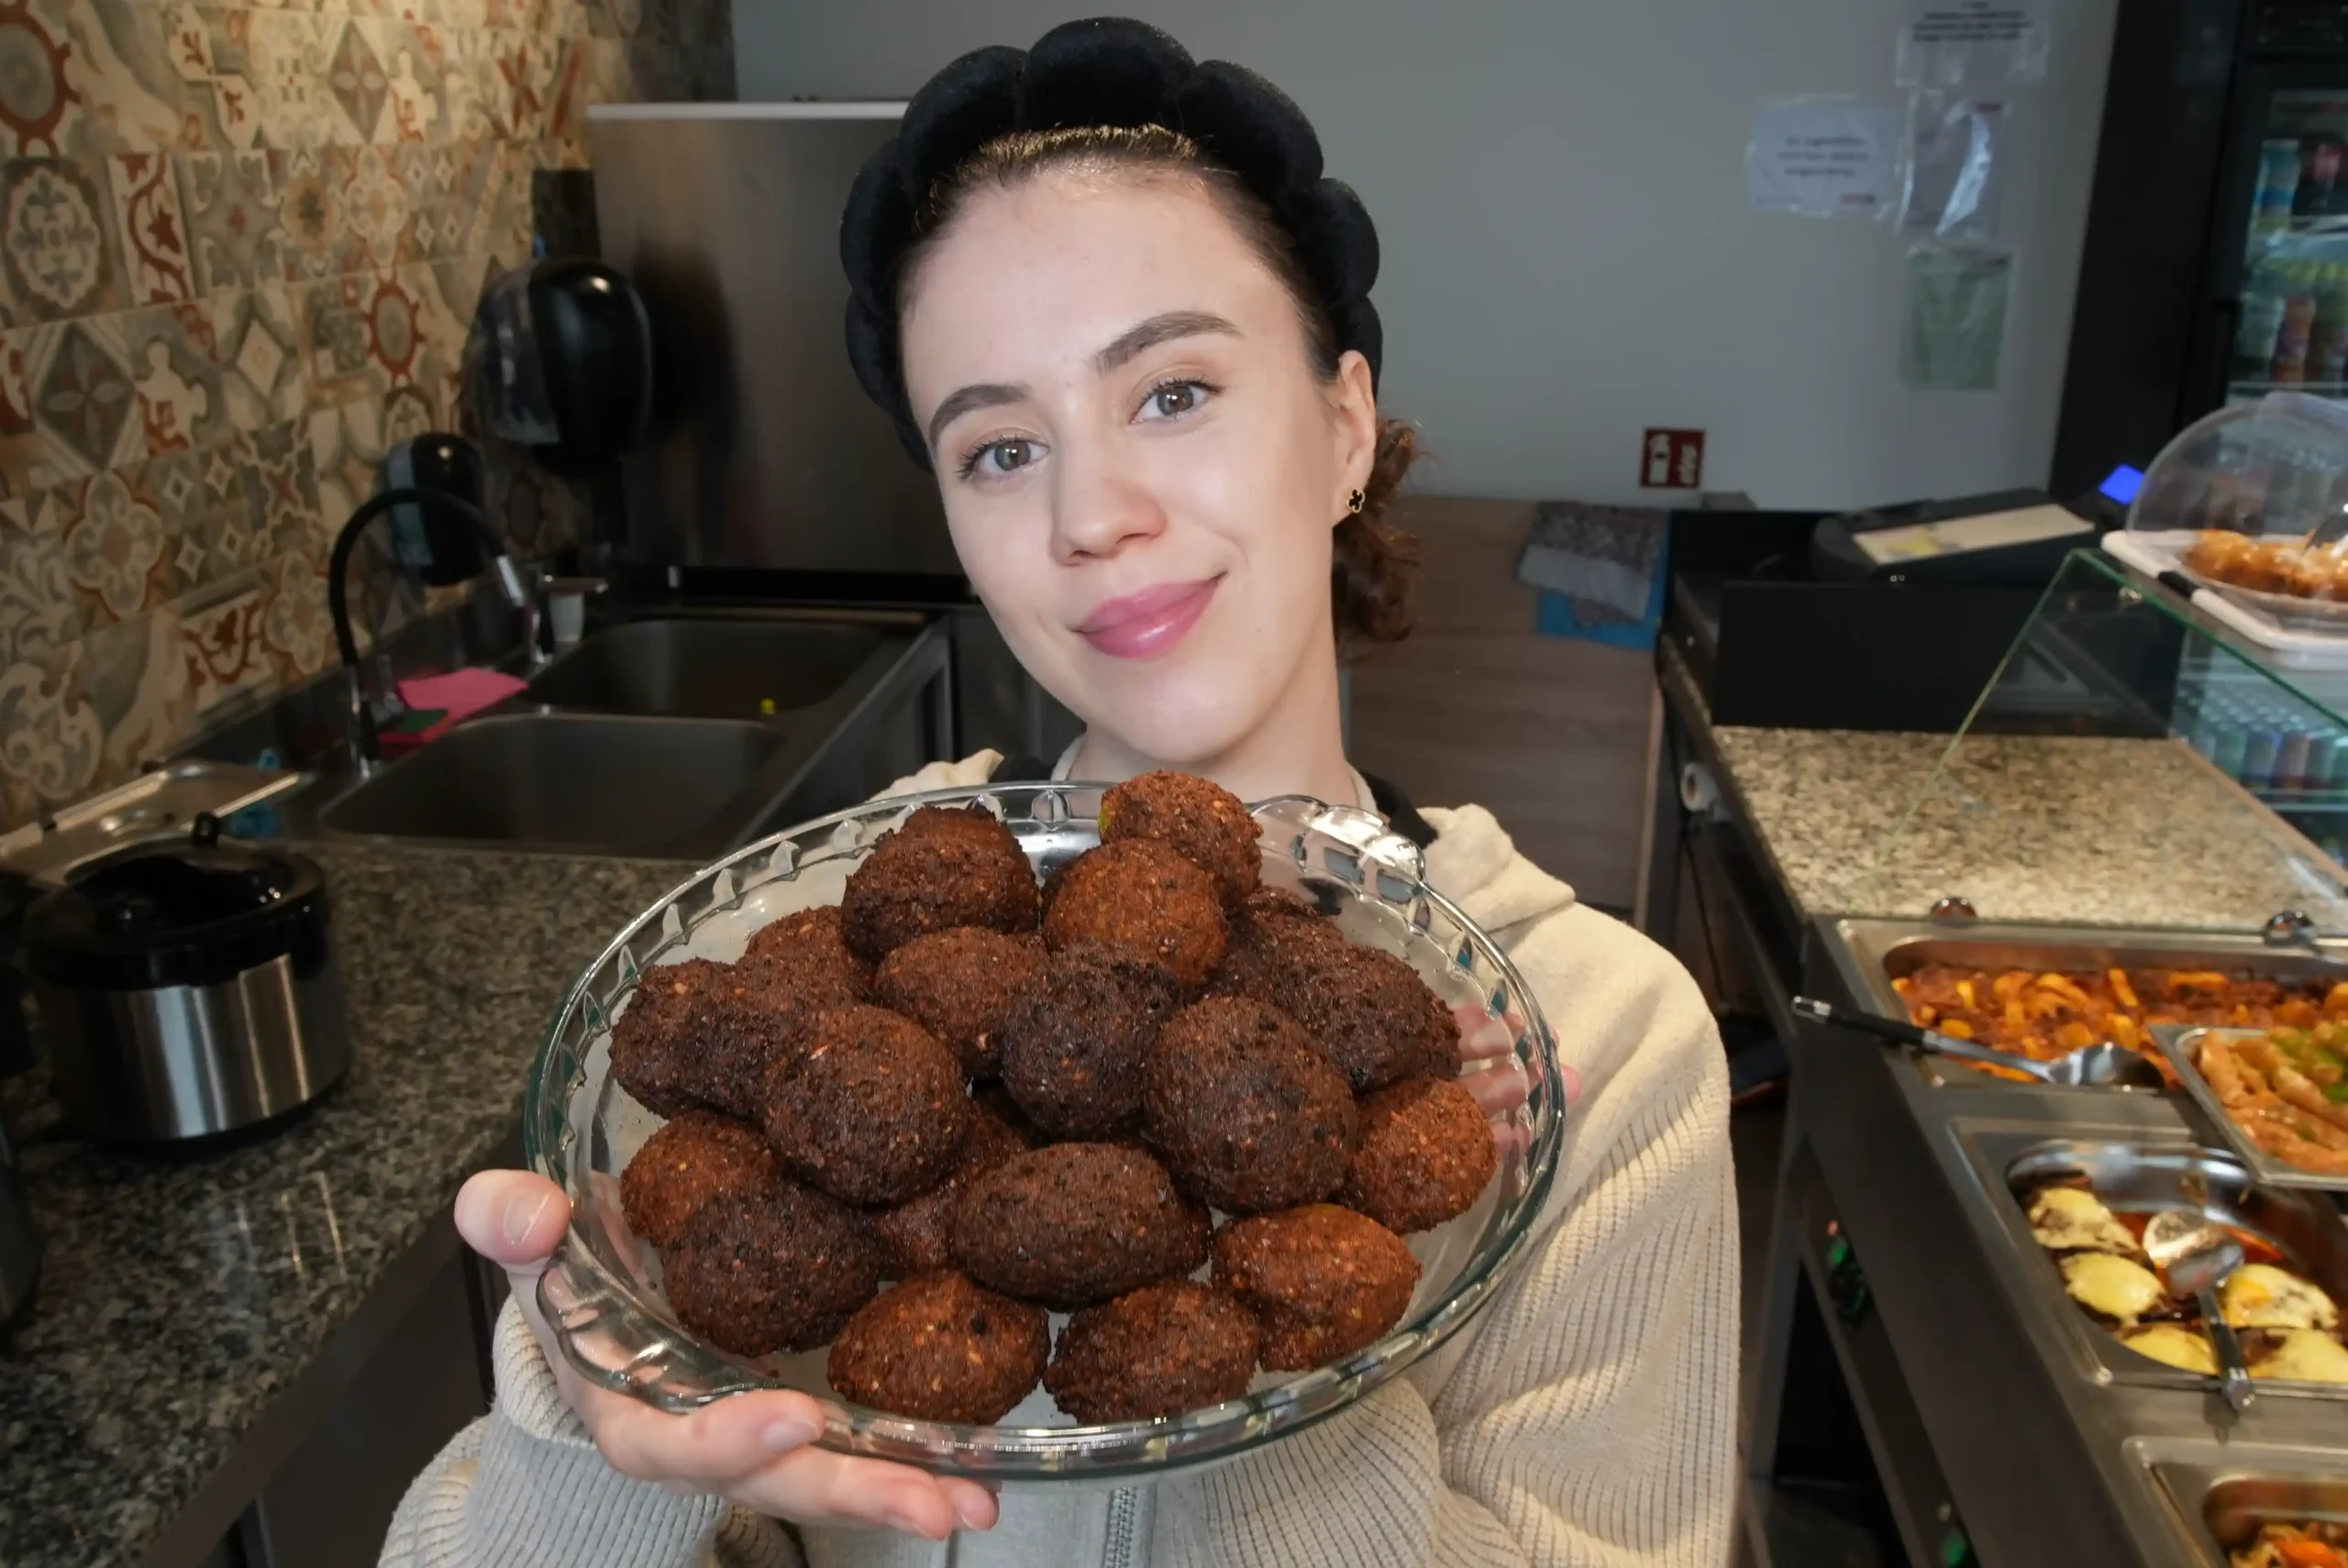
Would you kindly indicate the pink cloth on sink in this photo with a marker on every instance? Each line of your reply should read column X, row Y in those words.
column 460, row 692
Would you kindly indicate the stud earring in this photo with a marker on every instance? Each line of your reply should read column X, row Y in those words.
column 1355, row 502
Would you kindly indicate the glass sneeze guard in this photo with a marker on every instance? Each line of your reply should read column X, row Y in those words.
column 2131, row 764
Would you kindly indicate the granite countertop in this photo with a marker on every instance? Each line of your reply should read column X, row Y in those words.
column 180, row 1293
column 2073, row 828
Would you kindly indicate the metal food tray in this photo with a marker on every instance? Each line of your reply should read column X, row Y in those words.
column 160, row 803
column 2181, row 1045
column 1870, row 953
column 2133, row 1175
column 2222, row 1494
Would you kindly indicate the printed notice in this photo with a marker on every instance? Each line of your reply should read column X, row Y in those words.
column 1824, row 158
column 1955, row 331
column 1972, row 43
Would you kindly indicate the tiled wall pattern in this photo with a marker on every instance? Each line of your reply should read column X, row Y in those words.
column 239, row 250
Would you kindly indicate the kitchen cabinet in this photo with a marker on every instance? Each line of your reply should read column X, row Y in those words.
column 1551, row 733
column 332, row 1499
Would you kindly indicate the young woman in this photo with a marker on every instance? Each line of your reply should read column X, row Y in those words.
column 1109, row 300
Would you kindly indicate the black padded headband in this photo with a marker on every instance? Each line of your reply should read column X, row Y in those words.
column 1106, row 72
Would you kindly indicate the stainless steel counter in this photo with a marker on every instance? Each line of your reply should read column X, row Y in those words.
column 1998, row 1431
column 1999, row 1419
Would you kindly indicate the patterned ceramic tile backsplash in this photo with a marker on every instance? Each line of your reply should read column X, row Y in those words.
column 239, row 250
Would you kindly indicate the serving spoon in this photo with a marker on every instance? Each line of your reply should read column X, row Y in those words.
column 2100, row 1065
column 2195, row 1254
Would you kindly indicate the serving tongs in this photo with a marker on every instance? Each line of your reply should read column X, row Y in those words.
column 2100, row 1065
column 2195, row 1256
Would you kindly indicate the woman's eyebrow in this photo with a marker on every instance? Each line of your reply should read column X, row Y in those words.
column 1138, row 339
column 1159, row 329
column 982, row 395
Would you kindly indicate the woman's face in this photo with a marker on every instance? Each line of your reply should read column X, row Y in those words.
column 1140, row 469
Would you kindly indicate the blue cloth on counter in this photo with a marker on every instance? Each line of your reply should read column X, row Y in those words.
column 1601, row 570
column 1556, row 618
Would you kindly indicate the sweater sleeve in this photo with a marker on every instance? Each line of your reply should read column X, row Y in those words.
column 1589, row 1417
column 966, row 773
column 525, row 1487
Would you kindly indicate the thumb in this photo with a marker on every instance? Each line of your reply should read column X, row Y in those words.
column 515, row 1219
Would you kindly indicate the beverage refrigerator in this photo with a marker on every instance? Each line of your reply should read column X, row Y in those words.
column 2216, row 264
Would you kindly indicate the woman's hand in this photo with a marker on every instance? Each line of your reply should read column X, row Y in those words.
column 754, row 1449
column 1486, row 1052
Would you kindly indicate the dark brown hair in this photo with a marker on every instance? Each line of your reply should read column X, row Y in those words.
column 1374, row 575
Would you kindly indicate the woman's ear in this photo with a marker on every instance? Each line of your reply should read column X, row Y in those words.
column 1355, row 405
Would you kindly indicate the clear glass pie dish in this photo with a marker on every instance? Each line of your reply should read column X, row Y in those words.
column 603, row 1295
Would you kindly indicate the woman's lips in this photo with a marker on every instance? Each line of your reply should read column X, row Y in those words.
column 1140, row 626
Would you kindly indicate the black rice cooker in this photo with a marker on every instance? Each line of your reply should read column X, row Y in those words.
column 187, row 988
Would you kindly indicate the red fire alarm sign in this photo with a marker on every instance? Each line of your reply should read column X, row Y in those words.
column 1672, row 460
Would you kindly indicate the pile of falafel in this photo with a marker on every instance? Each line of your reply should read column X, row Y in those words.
column 1011, row 1100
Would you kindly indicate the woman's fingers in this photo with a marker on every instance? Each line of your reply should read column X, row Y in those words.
column 515, row 1219
column 1498, row 1089
column 727, row 1439
column 754, row 1449
column 1510, row 1140
column 973, row 1504
column 1483, row 1038
column 812, row 1486
column 1481, row 1035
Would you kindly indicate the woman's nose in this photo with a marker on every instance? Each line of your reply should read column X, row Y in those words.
column 1098, row 510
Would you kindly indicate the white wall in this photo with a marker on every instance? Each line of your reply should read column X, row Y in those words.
column 1560, row 192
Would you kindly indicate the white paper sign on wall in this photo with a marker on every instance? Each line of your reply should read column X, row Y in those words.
column 1829, row 160
column 1972, row 43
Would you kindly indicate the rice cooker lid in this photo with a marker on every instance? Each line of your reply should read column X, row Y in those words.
column 196, row 912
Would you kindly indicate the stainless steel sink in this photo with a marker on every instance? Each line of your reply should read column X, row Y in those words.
column 587, row 781
column 572, row 766
column 711, row 670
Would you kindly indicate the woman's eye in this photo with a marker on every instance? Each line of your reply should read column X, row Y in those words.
column 1174, row 399
column 1004, row 456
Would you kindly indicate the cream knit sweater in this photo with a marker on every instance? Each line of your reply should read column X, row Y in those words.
column 1585, row 1418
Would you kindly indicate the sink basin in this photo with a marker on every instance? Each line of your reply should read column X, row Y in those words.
column 648, row 741
column 711, row 670
column 592, row 782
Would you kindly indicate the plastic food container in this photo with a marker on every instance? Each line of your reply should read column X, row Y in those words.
column 603, row 1294
column 2252, row 502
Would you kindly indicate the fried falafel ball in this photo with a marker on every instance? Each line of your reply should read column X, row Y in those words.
column 944, row 866
column 1323, row 1281
column 874, row 1113
column 917, row 1235
column 941, row 1347
column 1373, row 1015
column 701, row 1035
column 960, row 984
column 1424, row 1156
column 1245, row 1108
column 1074, row 1042
column 1140, row 897
column 1077, row 1223
column 781, row 1269
column 1272, row 933
column 690, row 1159
column 1271, row 904
column 1160, row 1351
column 809, row 943
column 993, row 1099
column 1206, row 822
column 797, row 968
